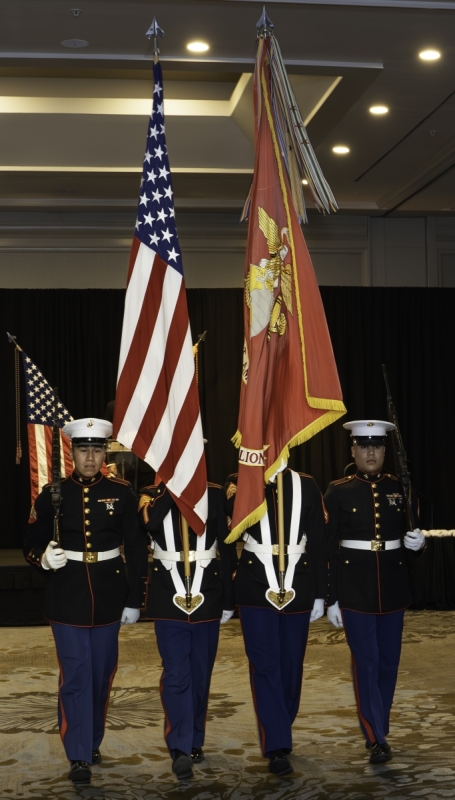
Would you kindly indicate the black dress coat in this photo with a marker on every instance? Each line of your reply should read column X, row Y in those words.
column 155, row 503
column 310, row 576
column 97, row 514
column 363, row 507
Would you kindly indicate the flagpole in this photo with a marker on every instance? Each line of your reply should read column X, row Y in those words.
column 18, row 349
column 154, row 32
column 186, row 561
column 281, row 544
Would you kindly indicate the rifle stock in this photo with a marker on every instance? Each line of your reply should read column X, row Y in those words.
column 401, row 461
column 56, row 486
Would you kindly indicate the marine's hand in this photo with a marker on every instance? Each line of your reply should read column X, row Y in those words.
column 226, row 616
column 54, row 557
column 414, row 540
column 334, row 615
column 318, row 610
column 130, row 616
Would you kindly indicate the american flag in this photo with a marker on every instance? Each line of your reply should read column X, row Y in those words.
column 157, row 413
column 40, row 418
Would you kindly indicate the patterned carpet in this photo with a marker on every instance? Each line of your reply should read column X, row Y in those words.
column 329, row 758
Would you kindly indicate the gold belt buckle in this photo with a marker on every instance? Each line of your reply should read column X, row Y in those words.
column 377, row 545
column 276, row 549
column 90, row 558
column 191, row 555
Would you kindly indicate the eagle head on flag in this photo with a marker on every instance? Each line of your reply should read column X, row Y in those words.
column 289, row 388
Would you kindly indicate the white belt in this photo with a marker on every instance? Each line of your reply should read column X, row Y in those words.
column 274, row 549
column 92, row 558
column 375, row 544
column 172, row 555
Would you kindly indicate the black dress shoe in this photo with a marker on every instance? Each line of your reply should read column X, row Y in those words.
column 182, row 766
column 279, row 763
column 384, row 745
column 96, row 757
column 380, row 753
column 80, row 772
column 197, row 755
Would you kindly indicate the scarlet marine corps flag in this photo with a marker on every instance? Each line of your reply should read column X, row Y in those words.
column 290, row 388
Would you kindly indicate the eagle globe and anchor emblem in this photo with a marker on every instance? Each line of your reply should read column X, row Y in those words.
column 265, row 278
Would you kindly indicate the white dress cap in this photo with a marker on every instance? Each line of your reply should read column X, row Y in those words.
column 368, row 427
column 88, row 429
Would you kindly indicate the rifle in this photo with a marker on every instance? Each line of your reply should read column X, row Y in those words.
column 56, row 486
column 401, row 461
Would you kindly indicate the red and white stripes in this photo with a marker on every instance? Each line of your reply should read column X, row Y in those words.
column 157, row 412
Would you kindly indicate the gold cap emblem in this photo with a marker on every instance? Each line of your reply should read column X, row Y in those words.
column 90, row 423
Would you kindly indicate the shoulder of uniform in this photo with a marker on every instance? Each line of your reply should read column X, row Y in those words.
column 117, row 480
column 341, row 481
column 393, row 477
column 149, row 488
column 211, row 485
column 305, row 475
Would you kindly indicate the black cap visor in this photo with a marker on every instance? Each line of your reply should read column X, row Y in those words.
column 376, row 441
column 87, row 441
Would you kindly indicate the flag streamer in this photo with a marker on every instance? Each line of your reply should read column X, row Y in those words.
column 298, row 156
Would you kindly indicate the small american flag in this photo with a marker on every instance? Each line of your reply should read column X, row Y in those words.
column 157, row 412
column 40, row 418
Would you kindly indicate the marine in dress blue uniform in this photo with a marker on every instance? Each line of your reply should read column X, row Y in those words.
column 90, row 590
column 275, row 635
column 187, row 642
column 369, row 587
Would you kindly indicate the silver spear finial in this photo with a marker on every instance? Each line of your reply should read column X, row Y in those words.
column 264, row 26
column 154, row 32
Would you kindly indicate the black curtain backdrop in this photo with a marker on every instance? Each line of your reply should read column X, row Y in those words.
column 74, row 337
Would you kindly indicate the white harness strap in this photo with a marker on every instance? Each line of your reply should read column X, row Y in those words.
column 294, row 531
column 266, row 558
column 172, row 565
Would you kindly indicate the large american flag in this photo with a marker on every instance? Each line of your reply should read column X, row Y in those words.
column 40, row 418
column 157, row 412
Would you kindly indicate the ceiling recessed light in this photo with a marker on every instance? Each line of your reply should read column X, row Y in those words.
column 197, row 47
column 74, row 43
column 379, row 110
column 340, row 149
column 305, row 182
column 430, row 55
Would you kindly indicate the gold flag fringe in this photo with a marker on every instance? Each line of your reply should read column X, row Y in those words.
column 250, row 520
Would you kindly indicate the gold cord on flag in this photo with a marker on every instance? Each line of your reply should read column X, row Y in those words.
column 200, row 338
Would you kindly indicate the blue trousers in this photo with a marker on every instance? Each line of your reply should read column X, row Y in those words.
column 375, row 644
column 88, row 662
column 188, row 653
column 275, row 644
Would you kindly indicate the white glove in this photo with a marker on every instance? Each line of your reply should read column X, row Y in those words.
column 130, row 616
column 318, row 610
column 414, row 540
column 226, row 616
column 54, row 557
column 334, row 615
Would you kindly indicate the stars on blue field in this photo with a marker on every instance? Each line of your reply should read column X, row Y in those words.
column 155, row 223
